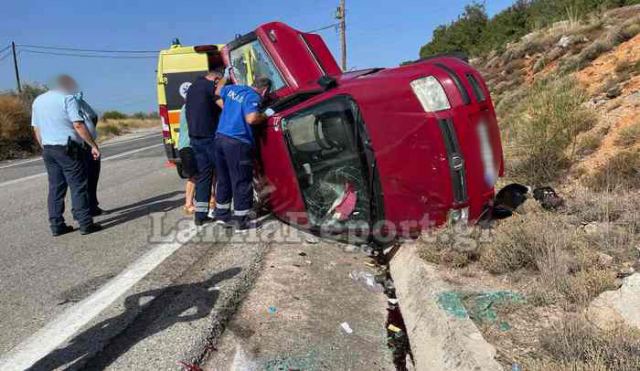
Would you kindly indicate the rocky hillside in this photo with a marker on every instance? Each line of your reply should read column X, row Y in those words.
column 593, row 69
column 558, row 282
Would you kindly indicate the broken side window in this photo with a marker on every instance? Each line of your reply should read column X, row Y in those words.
column 325, row 144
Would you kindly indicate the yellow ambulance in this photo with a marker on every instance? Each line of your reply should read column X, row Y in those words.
column 178, row 67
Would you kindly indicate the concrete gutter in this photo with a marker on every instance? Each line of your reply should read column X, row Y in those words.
column 439, row 340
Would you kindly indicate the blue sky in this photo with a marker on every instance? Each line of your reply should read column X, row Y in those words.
column 380, row 33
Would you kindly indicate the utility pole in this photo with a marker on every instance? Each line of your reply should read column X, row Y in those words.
column 15, row 66
column 341, row 15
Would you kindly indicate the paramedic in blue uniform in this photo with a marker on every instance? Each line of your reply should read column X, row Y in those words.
column 60, row 130
column 235, row 150
column 202, row 114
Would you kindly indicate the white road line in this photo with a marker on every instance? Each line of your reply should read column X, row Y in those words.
column 61, row 329
column 124, row 141
column 20, row 163
column 123, row 154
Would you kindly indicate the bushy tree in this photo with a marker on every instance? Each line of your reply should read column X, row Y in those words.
column 475, row 34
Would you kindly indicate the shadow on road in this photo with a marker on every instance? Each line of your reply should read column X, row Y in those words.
column 171, row 305
column 155, row 204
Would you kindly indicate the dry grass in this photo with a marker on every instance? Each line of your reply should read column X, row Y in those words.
column 588, row 143
column 629, row 136
column 112, row 127
column 16, row 136
column 616, row 35
column 621, row 171
column 575, row 344
column 15, row 118
column 452, row 247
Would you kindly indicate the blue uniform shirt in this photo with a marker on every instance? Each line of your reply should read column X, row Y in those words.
column 239, row 101
column 54, row 113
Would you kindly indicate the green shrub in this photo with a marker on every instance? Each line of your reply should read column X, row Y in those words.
column 113, row 115
column 543, row 129
column 588, row 143
column 629, row 135
column 476, row 34
column 109, row 130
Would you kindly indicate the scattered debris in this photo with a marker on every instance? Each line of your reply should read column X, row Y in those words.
column 508, row 200
column 312, row 240
column 345, row 326
column 478, row 306
column 302, row 253
column 367, row 279
column 397, row 337
column 393, row 328
column 548, row 198
column 272, row 309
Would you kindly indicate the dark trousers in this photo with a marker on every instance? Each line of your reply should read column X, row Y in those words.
column 234, row 164
column 205, row 154
column 93, row 174
column 66, row 169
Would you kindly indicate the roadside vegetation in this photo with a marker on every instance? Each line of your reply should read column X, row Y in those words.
column 115, row 123
column 564, row 77
column 475, row 34
column 16, row 135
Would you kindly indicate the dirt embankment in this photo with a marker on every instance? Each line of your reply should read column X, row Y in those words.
column 568, row 100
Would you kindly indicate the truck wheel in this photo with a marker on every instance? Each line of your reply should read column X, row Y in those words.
column 179, row 169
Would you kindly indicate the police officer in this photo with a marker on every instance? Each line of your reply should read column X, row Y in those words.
column 235, row 150
column 92, row 165
column 202, row 115
column 60, row 131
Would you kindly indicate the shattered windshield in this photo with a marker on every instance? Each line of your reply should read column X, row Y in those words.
column 250, row 61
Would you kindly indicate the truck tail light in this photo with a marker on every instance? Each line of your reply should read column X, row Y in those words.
column 431, row 94
column 164, row 117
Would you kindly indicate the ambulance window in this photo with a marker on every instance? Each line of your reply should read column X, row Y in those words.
column 250, row 61
column 325, row 148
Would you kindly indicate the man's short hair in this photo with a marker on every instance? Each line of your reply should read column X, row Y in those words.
column 262, row 82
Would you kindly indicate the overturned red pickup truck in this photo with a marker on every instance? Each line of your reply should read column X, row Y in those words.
column 397, row 149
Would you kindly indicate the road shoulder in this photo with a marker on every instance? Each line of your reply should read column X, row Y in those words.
column 292, row 317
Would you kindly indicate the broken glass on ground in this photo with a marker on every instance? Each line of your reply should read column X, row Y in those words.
column 480, row 307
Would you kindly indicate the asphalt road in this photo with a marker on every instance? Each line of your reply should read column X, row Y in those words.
column 65, row 302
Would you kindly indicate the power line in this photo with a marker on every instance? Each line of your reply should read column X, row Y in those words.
column 5, row 56
column 324, row 28
column 86, row 55
column 5, row 48
column 88, row 50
